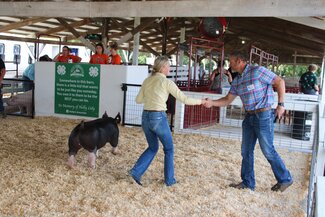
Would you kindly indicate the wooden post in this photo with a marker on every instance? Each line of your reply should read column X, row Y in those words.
column 164, row 29
column 294, row 64
column 181, row 40
column 105, row 32
column 136, row 40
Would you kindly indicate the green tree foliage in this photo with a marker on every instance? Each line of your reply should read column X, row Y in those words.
column 142, row 59
column 288, row 70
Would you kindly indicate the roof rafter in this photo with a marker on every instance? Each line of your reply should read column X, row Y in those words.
column 25, row 22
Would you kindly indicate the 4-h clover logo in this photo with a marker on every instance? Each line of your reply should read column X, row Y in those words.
column 93, row 71
column 61, row 70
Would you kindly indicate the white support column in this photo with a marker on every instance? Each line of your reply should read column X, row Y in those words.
column 322, row 77
column 30, row 52
column 181, row 39
column 320, row 198
column 125, row 55
column 136, row 40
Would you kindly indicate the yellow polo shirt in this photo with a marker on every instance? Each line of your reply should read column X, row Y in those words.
column 155, row 90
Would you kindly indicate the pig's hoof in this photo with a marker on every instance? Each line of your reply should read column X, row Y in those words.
column 115, row 151
column 71, row 162
column 71, row 166
column 92, row 160
column 91, row 166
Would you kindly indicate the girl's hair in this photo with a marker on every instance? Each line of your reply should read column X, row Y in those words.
column 100, row 45
column 45, row 58
column 219, row 63
column 113, row 45
column 160, row 62
column 66, row 47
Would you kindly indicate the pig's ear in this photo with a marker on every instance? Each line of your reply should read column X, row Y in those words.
column 82, row 125
column 105, row 115
column 118, row 118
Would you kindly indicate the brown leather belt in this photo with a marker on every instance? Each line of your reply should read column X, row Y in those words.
column 153, row 111
column 258, row 110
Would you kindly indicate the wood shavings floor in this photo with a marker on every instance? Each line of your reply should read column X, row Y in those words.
column 35, row 180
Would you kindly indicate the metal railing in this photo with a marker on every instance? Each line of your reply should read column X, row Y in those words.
column 312, row 179
column 131, row 114
column 18, row 97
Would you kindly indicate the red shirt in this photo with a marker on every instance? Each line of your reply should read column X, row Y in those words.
column 65, row 59
column 99, row 59
column 115, row 60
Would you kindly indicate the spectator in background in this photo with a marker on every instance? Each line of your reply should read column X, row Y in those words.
column 114, row 58
column 2, row 75
column 99, row 57
column 308, row 81
column 231, row 75
column 66, row 57
column 220, row 78
column 29, row 72
column 202, row 72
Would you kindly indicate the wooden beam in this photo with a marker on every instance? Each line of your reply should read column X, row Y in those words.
column 83, row 34
column 147, row 47
column 307, row 21
column 22, row 23
column 144, row 24
column 68, row 27
column 34, row 40
column 61, row 28
column 105, row 31
column 271, row 37
column 164, row 29
column 172, row 51
column 76, row 34
column 128, row 36
column 186, row 8
column 284, row 28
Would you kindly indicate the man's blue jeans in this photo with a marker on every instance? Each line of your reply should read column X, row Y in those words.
column 260, row 126
column 155, row 126
column 1, row 102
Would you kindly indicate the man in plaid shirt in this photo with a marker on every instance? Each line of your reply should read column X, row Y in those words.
column 254, row 87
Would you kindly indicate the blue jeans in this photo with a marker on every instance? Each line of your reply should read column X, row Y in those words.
column 155, row 126
column 310, row 92
column 260, row 126
column 1, row 102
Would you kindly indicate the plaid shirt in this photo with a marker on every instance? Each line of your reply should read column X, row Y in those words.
column 254, row 87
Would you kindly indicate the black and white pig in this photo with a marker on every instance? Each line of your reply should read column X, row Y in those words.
column 93, row 135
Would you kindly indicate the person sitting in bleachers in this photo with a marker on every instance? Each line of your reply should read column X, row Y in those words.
column 66, row 57
column 99, row 57
column 114, row 58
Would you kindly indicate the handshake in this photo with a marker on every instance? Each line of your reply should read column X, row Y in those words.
column 208, row 103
